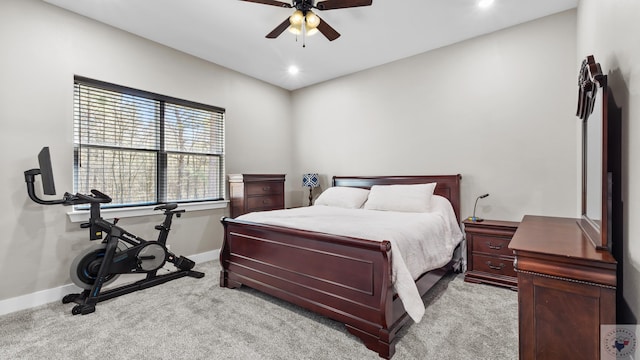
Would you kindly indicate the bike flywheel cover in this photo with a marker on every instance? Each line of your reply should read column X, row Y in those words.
column 85, row 266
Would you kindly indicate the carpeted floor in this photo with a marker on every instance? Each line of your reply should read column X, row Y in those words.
column 196, row 319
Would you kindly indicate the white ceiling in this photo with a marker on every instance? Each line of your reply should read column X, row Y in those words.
column 232, row 33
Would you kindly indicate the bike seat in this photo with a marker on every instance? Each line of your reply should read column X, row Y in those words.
column 169, row 206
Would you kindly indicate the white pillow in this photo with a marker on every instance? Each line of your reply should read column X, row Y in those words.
column 344, row 197
column 405, row 198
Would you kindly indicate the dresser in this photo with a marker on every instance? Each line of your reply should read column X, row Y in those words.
column 255, row 192
column 489, row 259
column 566, row 289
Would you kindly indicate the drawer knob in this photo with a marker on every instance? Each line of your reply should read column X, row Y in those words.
column 266, row 188
column 265, row 201
column 494, row 247
column 494, row 267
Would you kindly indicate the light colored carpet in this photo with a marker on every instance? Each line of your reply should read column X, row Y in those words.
column 196, row 319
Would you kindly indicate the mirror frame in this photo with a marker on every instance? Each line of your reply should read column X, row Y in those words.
column 591, row 80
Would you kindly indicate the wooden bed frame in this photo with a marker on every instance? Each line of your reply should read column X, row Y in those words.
column 343, row 278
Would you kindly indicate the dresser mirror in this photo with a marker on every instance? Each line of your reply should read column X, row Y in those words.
column 591, row 88
column 595, row 106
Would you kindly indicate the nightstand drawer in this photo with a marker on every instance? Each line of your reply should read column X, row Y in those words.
column 265, row 202
column 494, row 265
column 264, row 188
column 491, row 245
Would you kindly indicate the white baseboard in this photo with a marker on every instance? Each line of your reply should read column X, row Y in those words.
column 205, row 256
column 56, row 294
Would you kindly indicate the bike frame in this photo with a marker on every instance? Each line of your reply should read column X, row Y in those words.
column 127, row 261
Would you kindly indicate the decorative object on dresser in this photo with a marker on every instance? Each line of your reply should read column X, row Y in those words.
column 255, row 192
column 566, row 289
column 489, row 259
column 311, row 181
column 474, row 218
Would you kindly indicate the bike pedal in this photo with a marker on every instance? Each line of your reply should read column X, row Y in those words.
column 183, row 263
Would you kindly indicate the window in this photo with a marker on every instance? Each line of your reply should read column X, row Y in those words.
column 142, row 148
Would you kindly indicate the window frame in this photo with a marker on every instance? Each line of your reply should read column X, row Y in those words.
column 137, row 209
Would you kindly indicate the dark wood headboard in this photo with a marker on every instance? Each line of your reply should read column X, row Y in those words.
column 447, row 185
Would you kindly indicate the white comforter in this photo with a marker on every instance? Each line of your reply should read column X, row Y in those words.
column 419, row 241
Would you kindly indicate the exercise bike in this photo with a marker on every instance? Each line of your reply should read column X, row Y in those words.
column 120, row 252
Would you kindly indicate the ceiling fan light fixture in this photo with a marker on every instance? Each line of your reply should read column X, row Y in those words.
column 295, row 29
column 312, row 20
column 296, row 18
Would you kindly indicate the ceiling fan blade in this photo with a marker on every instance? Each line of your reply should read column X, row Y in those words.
column 270, row 2
column 341, row 4
column 279, row 29
column 326, row 30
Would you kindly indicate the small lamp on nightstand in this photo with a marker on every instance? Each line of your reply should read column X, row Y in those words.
column 310, row 181
column 474, row 218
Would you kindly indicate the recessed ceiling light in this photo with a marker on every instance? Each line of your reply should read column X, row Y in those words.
column 485, row 3
column 293, row 70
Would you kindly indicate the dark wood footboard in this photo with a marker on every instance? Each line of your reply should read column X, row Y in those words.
column 342, row 278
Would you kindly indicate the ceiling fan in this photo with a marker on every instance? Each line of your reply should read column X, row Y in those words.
column 304, row 21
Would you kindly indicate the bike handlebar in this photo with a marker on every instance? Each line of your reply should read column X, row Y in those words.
column 101, row 195
column 68, row 199
column 97, row 197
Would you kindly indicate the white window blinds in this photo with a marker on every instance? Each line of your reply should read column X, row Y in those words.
column 145, row 148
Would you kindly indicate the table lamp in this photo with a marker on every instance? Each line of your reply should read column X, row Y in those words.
column 474, row 218
column 310, row 181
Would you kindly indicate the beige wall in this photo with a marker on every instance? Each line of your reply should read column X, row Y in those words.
column 43, row 47
column 498, row 109
column 609, row 30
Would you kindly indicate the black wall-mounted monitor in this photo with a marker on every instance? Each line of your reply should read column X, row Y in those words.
column 46, row 172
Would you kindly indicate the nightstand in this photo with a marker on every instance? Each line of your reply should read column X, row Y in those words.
column 255, row 192
column 489, row 259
